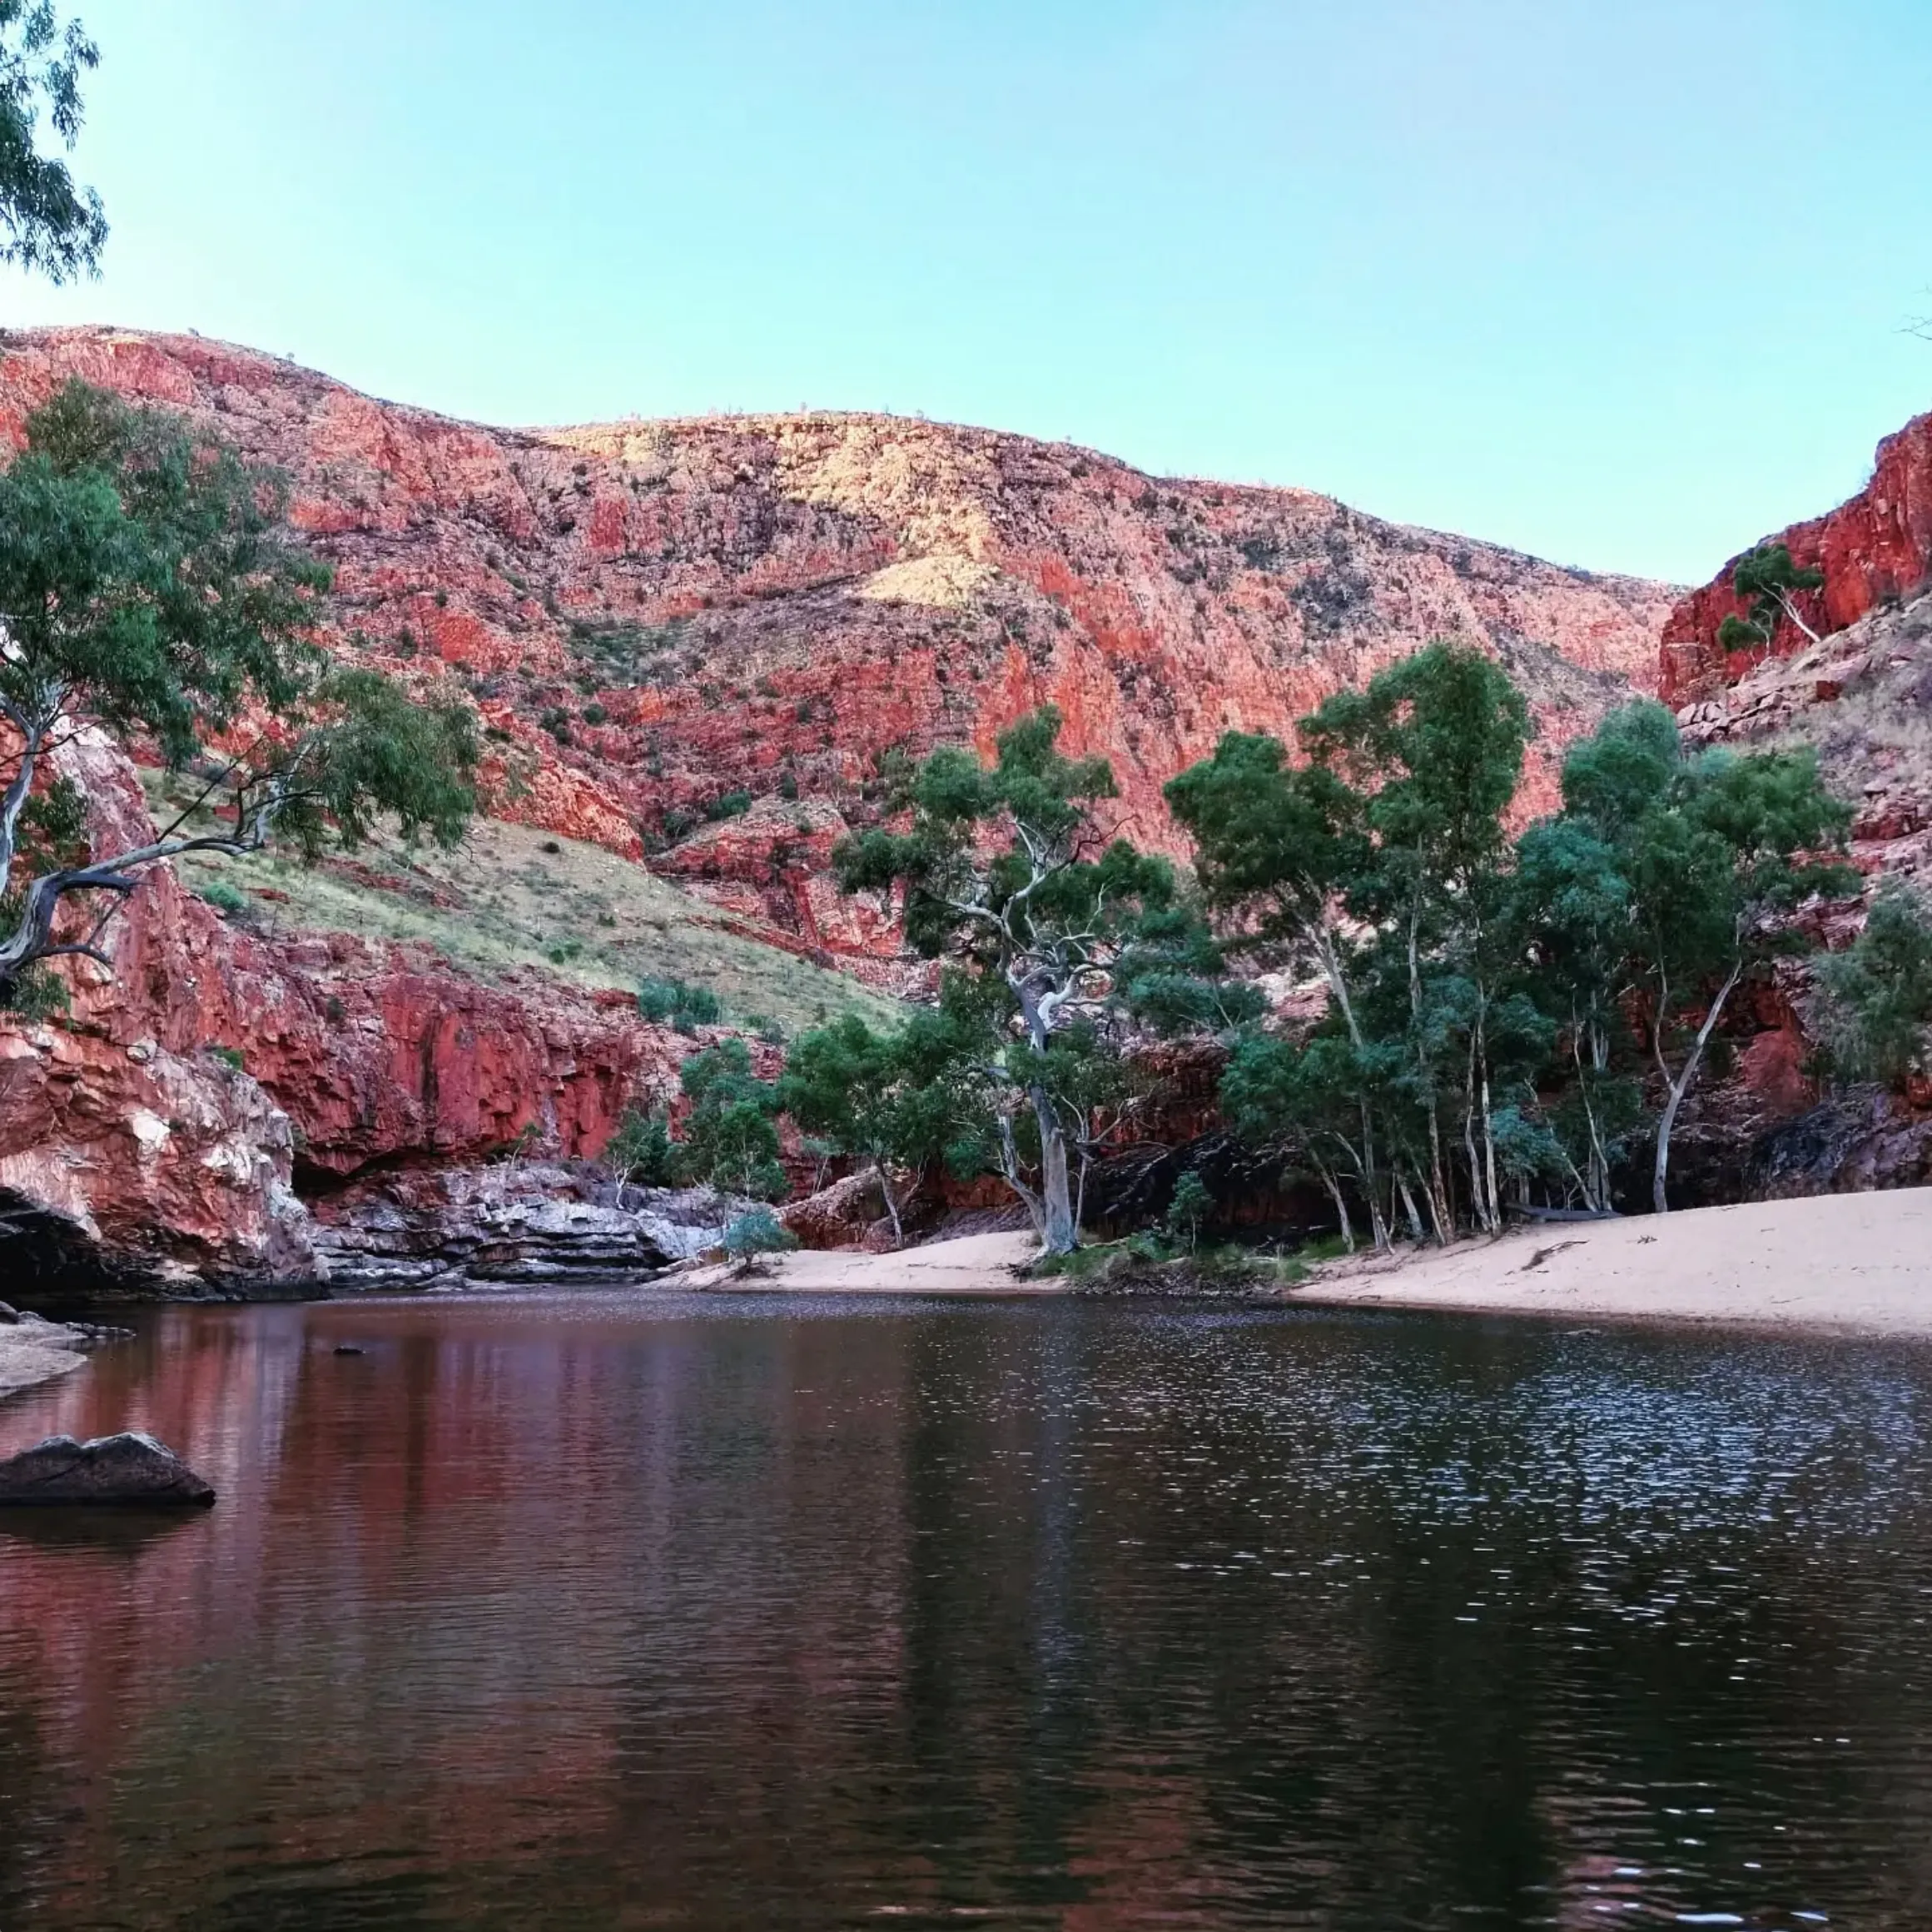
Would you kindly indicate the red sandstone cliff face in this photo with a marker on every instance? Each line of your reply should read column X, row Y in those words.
column 126, row 1120
column 1872, row 550
column 653, row 615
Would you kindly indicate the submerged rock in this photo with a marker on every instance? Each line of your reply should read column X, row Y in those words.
column 127, row 1468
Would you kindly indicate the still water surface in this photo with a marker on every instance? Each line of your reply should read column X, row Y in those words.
column 634, row 1612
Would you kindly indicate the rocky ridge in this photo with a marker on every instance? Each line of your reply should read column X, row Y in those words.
column 1861, row 696
column 660, row 620
column 1873, row 550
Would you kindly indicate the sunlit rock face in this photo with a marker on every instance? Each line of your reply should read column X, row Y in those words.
column 1874, row 550
column 654, row 616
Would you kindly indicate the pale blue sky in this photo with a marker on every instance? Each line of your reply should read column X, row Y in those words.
column 1618, row 281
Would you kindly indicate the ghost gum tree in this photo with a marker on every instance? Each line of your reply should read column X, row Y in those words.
column 151, row 587
column 1494, row 1006
column 1050, row 931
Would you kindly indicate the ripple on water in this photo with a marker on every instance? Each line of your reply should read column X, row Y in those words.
column 641, row 1611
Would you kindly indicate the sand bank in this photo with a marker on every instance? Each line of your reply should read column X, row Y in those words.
column 1857, row 1263
column 974, row 1264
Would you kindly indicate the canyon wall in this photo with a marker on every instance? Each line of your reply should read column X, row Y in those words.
column 159, row 1127
column 705, row 643
column 655, row 616
column 1873, row 550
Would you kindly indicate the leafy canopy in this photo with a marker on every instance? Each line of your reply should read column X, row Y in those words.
column 151, row 587
column 48, row 224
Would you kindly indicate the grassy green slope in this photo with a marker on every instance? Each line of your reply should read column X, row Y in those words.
column 510, row 896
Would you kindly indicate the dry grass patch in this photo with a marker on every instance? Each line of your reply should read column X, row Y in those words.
column 512, row 898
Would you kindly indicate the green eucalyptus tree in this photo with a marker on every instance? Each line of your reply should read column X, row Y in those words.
column 48, row 223
column 1047, row 925
column 150, row 588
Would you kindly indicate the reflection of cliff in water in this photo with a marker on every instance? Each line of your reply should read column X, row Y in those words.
column 1090, row 1618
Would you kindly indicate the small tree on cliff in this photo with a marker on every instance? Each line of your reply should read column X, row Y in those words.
column 150, row 588
column 46, row 223
column 1770, row 581
column 1007, row 876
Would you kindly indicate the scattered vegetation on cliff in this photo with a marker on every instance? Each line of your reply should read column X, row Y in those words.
column 1876, row 998
column 501, row 902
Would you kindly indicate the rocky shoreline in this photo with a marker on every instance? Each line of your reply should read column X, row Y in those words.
column 33, row 1349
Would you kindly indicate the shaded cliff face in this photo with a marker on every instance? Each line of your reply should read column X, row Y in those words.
column 654, row 616
column 1873, row 550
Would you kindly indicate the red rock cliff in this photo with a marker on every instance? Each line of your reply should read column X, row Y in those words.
column 654, row 615
column 1875, row 548
column 130, row 1120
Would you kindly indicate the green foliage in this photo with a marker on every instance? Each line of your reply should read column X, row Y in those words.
column 760, row 1232
column 224, row 898
column 1708, row 854
column 47, row 222
column 728, row 805
column 376, row 751
column 149, row 583
column 642, row 1152
column 1768, row 580
column 1192, row 1204
column 229, row 1057
column 1479, row 1041
column 35, row 996
column 1050, row 929
column 149, row 574
column 730, row 1141
column 1877, row 1001
column 888, row 1099
column 677, row 1003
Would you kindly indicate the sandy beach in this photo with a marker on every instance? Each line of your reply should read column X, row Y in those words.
column 977, row 1265
column 1855, row 1262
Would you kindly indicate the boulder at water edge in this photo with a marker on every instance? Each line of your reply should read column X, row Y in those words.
column 129, row 1468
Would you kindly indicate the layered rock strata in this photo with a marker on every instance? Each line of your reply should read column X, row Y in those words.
column 152, row 1135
